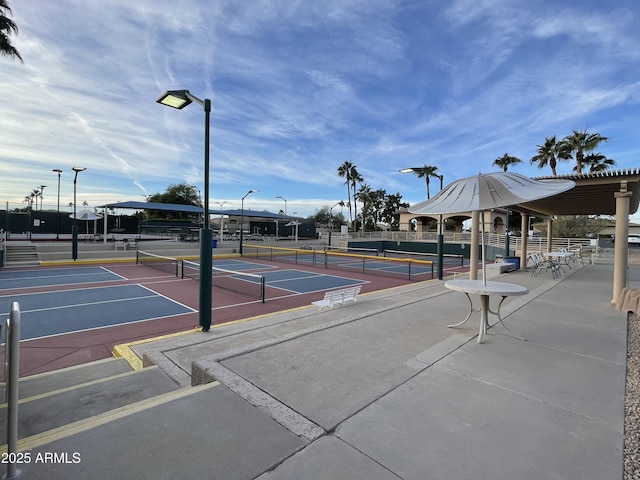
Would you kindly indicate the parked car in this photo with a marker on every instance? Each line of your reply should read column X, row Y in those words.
column 632, row 239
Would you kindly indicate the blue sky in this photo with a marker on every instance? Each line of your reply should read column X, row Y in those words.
column 298, row 87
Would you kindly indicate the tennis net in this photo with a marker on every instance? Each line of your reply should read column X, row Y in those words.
column 403, row 268
column 168, row 265
column 249, row 284
column 447, row 258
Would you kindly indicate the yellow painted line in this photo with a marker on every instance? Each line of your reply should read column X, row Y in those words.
column 96, row 261
column 124, row 350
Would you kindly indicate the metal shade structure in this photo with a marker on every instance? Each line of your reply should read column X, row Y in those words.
column 86, row 215
column 486, row 191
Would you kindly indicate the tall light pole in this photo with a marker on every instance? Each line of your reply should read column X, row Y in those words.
column 242, row 216
column 74, row 229
column 59, row 172
column 179, row 99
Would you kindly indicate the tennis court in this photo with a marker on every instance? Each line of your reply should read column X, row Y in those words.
column 75, row 314
column 53, row 313
column 55, row 276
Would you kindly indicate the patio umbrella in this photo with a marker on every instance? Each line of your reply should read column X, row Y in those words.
column 87, row 215
column 486, row 191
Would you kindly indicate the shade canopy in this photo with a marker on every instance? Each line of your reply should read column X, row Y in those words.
column 489, row 190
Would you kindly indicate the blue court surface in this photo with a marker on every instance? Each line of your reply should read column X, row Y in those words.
column 54, row 313
column 55, row 276
column 300, row 281
column 239, row 265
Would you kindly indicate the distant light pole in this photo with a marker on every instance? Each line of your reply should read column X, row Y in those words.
column 242, row 217
column 285, row 203
column 42, row 187
column 341, row 203
column 74, row 229
column 59, row 172
column 221, row 234
column 179, row 99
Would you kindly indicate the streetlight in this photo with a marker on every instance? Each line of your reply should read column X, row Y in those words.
column 221, row 235
column 179, row 99
column 74, row 229
column 58, row 171
column 242, row 217
column 42, row 187
column 341, row 203
column 440, row 243
column 285, row 203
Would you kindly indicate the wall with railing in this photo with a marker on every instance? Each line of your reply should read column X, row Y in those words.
column 537, row 244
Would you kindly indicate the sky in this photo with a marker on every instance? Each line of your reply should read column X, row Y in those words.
column 298, row 87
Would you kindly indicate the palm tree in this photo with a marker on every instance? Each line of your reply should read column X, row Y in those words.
column 7, row 28
column 505, row 161
column 427, row 172
column 550, row 152
column 365, row 197
column 580, row 143
column 597, row 162
column 350, row 172
column 355, row 179
column 344, row 171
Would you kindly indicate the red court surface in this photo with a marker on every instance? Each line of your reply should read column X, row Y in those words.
column 51, row 353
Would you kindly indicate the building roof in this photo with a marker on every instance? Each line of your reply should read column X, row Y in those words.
column 172, row 207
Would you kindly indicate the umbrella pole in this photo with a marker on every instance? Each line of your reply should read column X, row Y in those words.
column 482, row 253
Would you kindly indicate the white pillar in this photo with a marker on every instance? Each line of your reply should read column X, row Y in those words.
column 621, row 255
column 524, row 229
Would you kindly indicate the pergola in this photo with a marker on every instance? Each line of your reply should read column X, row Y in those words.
column 615, row 193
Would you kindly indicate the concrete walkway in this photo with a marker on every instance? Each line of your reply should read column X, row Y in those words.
column 382, row 389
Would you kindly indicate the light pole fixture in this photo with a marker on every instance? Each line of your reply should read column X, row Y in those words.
column 221, row 234
column 341, row 203
column 440, row 244
column 42, row 187
column 285, row 203
column 179, row 99
column 74, row 229
column 242, row 216
column 59, row 172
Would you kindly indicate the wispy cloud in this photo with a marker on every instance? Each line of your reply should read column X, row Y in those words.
column 299, row 87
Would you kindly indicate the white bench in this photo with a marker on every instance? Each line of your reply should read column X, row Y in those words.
column 338, row 297
column 503, row 266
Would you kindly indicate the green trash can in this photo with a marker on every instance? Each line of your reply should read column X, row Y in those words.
column 514, row 260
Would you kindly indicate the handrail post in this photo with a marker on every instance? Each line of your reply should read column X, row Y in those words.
column 12, row 345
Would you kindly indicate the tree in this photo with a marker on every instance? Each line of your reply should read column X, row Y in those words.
column 597, row 162
column 427, row 172
column 580, row 143
column 177, row 194
column 550, row 152
column 505, row 161
column 364, row 195
column 350, row 173
column 7, row 28
column 575, row 226
column 390, row 212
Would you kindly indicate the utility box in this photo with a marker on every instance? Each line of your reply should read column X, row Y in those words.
column 514, row 260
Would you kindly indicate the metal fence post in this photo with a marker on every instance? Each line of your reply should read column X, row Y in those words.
column 12, row 353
